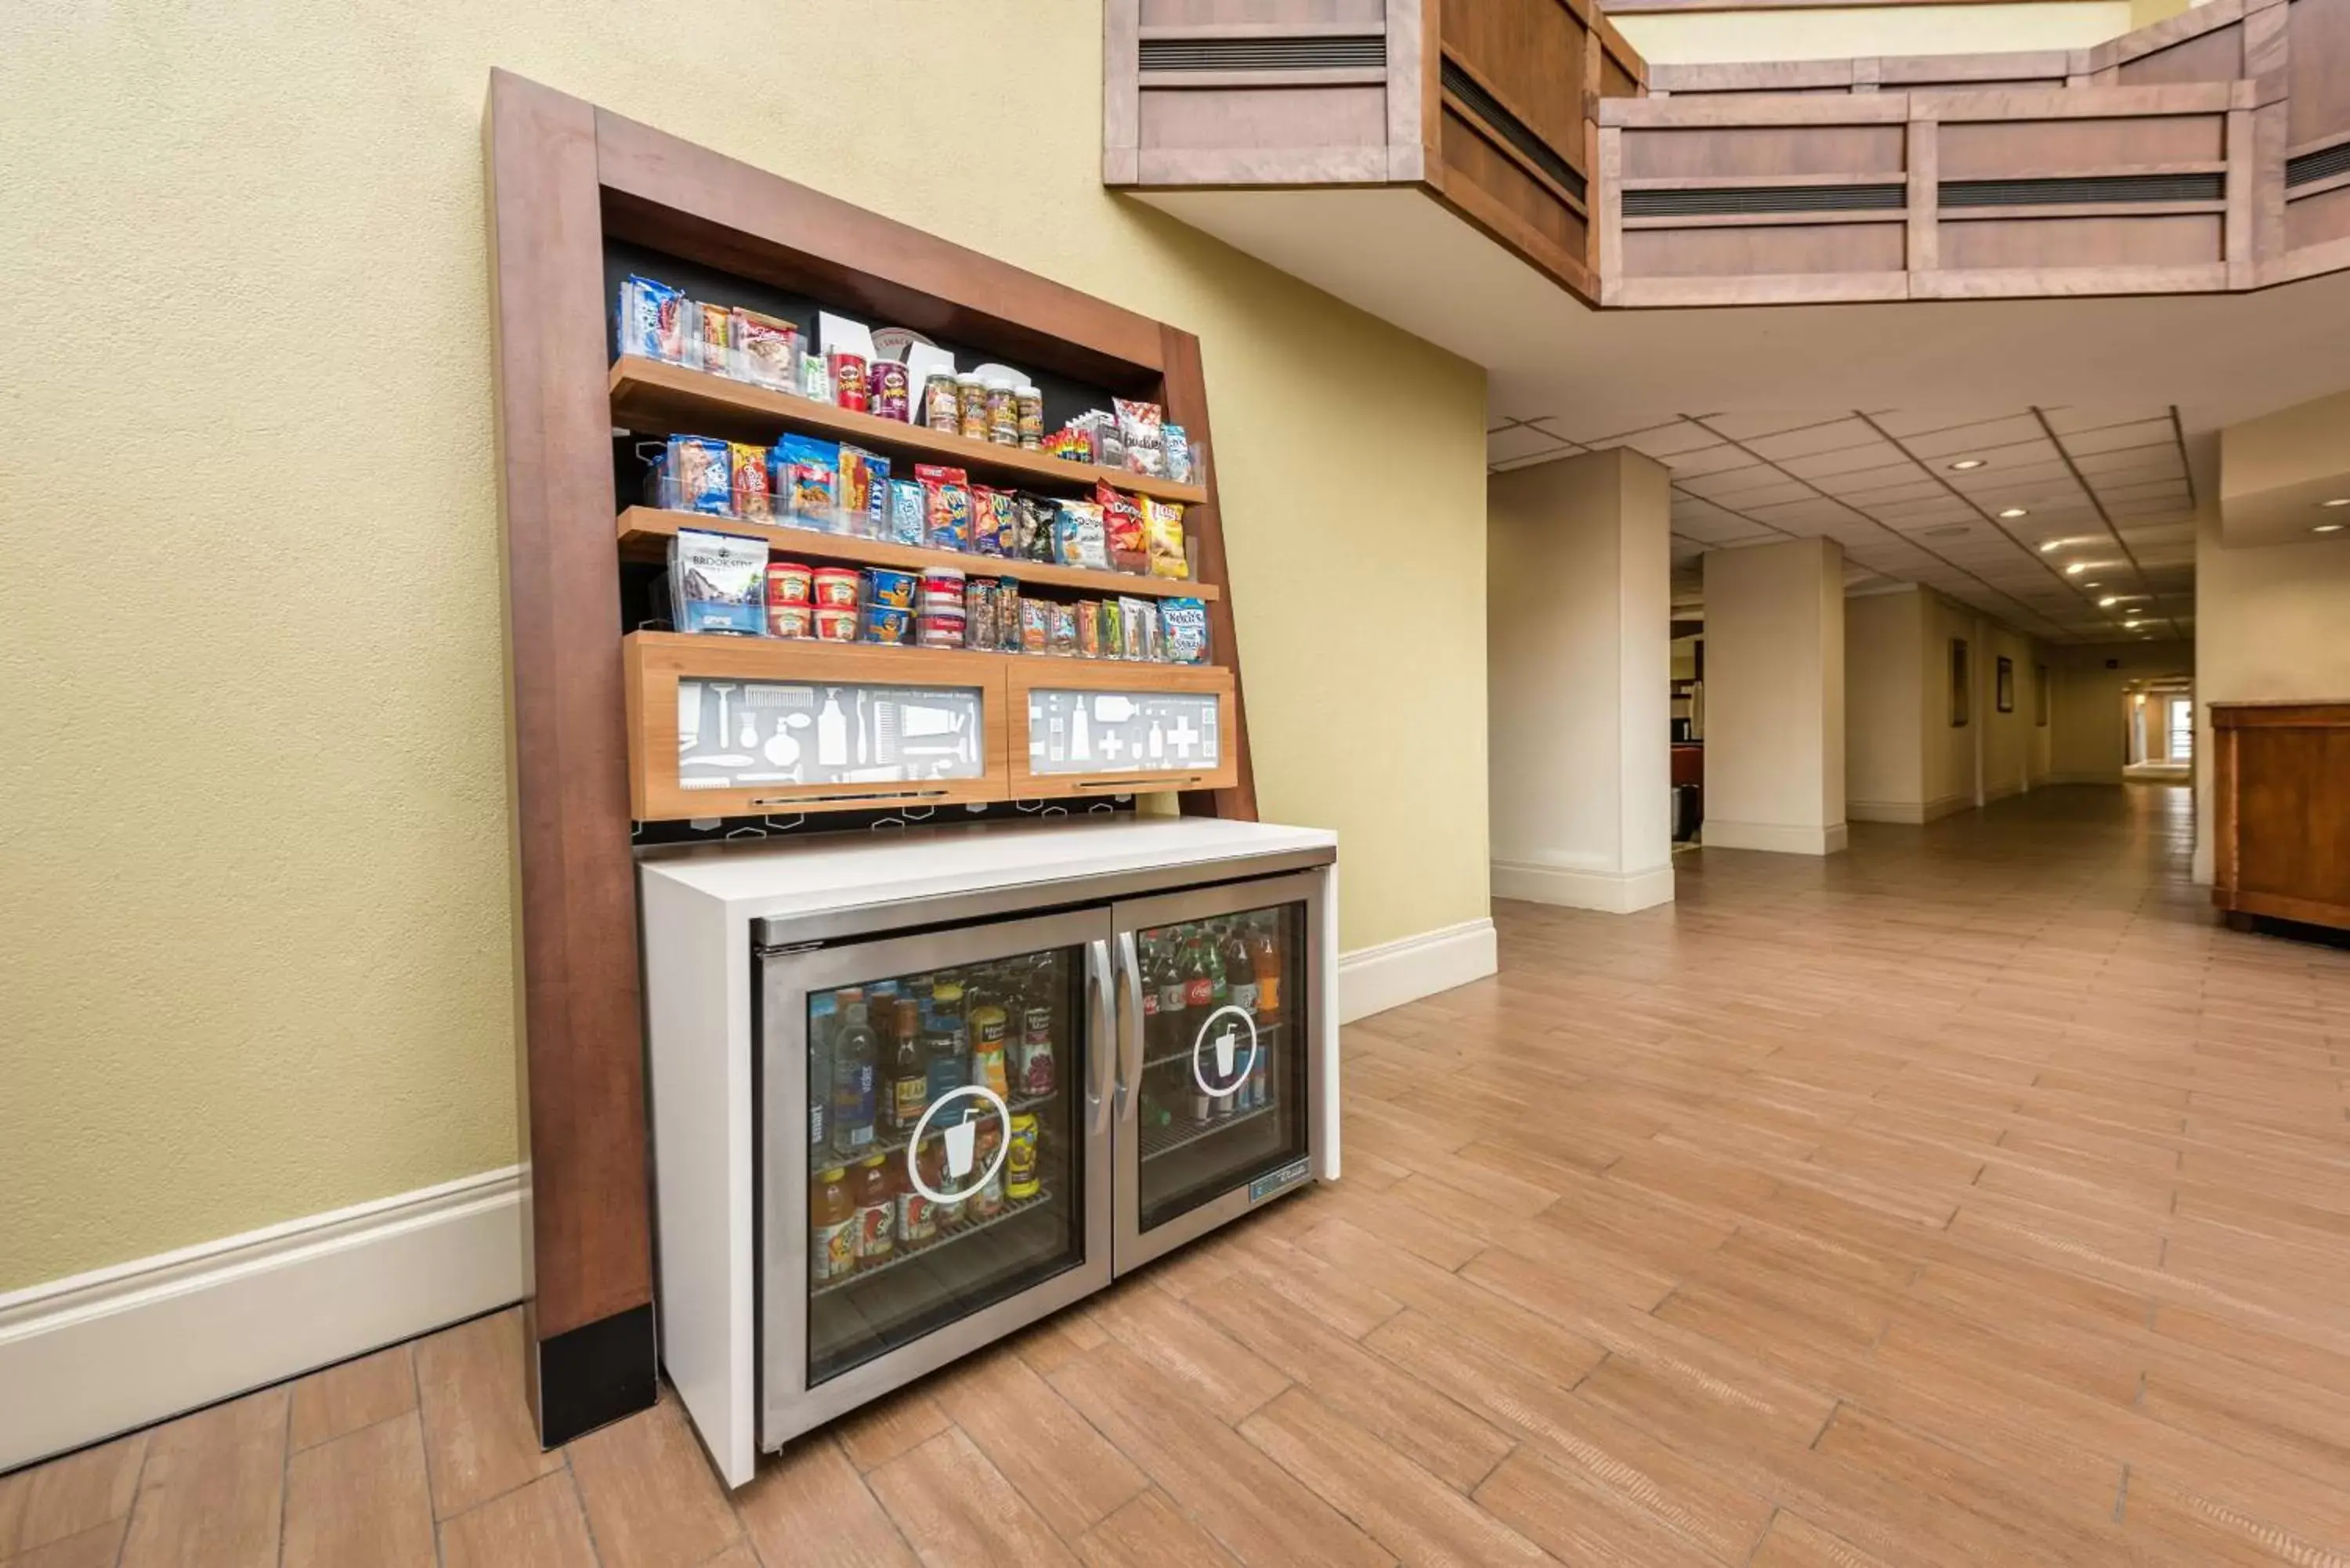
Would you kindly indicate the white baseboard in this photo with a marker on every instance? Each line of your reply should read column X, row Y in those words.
column 1781, row 838
column 1611, row 892
column 1372, row 979
column 1916, row 813
column 86, row 1357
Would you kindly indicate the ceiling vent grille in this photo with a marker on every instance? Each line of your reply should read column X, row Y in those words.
column 1318, row 53
column 1509, row 128
column 2323, row 163
column 2084, row 189
column 1718, row 201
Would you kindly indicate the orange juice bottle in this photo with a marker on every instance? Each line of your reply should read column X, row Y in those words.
column 877, row 1206
column 832, row 1228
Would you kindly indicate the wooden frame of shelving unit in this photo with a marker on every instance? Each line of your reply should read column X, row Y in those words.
column 563, row 178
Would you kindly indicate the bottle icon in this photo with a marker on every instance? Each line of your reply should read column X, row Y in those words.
column 856, row 1065
column 832, row 734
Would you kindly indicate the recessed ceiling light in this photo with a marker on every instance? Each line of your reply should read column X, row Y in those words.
column 2132, row 625
column 2093, row 585
column 2076, row 569
column 2019, row 512
column 2050, row 547
column 2327, row 528
column 2109, row 602
column 2337, row 500
column 1965, row 463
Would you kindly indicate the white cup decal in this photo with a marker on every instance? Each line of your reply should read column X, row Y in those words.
column 1226, row 1047
column 961, row 1140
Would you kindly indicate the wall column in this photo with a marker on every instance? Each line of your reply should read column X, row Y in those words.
column 1578, row 629
column 1775, row 695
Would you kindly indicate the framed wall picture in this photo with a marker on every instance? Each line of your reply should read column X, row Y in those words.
column 2004, row 691
column 1962, row 687
column 2039, row 695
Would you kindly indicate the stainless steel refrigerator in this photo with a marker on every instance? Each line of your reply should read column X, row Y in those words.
column 975, row 1110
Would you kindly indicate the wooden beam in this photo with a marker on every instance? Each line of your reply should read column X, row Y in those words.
column 1185, row 395
column 579, row 1047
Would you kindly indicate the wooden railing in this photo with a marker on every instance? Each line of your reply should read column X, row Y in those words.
column 2206, row 153
column 1486, row 106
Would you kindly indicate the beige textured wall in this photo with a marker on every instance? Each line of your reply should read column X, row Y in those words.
column 1834, row 33
column 258, row 962
column 2272, row 624
column 2091, row 733
column 1883, row 676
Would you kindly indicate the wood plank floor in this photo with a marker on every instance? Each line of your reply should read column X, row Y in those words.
column 1969, row 1197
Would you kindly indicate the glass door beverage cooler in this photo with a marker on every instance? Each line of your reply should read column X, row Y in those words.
column 973, row 1111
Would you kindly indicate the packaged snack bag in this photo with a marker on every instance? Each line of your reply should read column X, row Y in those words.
column 1079, row 537
column 713, row 335
column 1063, row 637
column 700, row 475
column 1122, row 529
column 905, row 512
column 864, row 490
column 1032, row 527
column 1178, row 452
column 753, row 486
column 1138, row 429
column 946, row 513
column 1089, row 628
column 768, row 351
column 1130, row 627
column 1163, row 527
column 807, row 481
column 718, row 583
column 652, row 320
column 1035, row 626
column 1183, row 630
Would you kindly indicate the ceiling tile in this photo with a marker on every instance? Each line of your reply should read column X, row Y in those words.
column 1518, row 441
column 1814, row 439
column 1746, row 427
column 1856, row 459
column 1967, row 440
column 2115, row 438
column 1664, row 442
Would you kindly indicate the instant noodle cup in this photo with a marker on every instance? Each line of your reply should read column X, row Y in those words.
column 889, row 588
column 940, row 630
column 887, row 624
column 835, row 626
column 835, row 587
column 790, row 583
column 942, row 592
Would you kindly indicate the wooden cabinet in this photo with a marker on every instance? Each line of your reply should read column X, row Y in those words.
column 2281, row 800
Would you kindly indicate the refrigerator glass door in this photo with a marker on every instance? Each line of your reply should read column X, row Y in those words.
column 1220, row 1067
column 936, row 1152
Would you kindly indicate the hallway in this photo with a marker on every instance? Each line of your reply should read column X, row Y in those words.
column 1969, row 1197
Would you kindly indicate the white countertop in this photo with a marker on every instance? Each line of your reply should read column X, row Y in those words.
column 846, row 870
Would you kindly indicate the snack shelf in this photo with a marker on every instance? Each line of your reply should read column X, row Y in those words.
column 655, row 398
column 645, row 532
column 947, row 1237
column 893, row 1143
column 1158, row 1141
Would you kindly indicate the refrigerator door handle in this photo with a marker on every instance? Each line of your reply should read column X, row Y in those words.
column 1130, row 1077
column 1102, row 1010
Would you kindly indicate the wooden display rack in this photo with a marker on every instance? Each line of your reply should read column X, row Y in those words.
column 589, row 714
